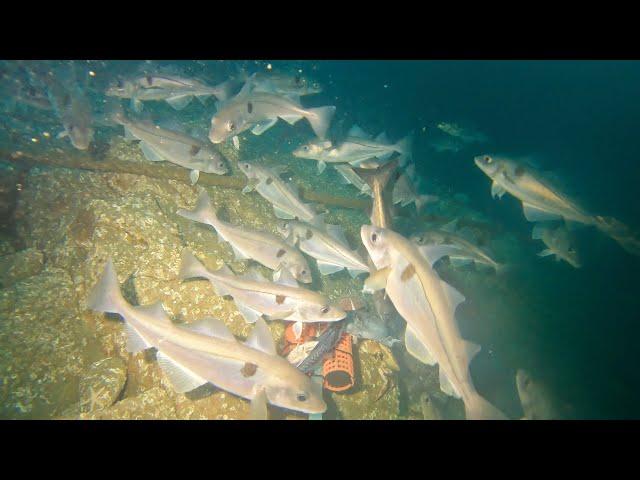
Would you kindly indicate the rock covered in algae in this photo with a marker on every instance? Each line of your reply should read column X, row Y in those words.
column 152, row 404
column 101, row 385
column 20, row 265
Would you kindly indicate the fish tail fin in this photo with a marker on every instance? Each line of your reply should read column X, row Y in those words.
column 320, row 119
column 191, row 267
column 381, row 175
column 405, row 146
column 202, row 212
column 619, row 232
column 106, row 295
column 477, row 408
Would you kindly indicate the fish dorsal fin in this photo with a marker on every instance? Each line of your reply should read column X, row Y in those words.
column 259, row 410
column 455, row 297
column 450, row 227
column 382, row 138
column 154, row 311
column 261, row 339
column 246, row 88
column 212, row 327
column 337, row 233
column 283, row 276
column 433, row 253
column 356, row 131
column 472, row 349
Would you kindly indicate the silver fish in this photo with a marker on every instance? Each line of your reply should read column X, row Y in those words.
column 159, row 144
column 176, row 91
column 260, row 111
column 285, row 201
column 372, row 327
column 329, row 247
column 466, row 135
column 465, row 252
column 358, row 150
column 428, row 306
column 558, row 242
column 207, row 352
column 263, row 247
column 255, row 296
column 282, row 84
column 405, row 191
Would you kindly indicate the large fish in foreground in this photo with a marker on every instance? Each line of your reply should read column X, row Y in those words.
column 255, row 296
column 428, row 306
column 263, row 247
column 207, row 352
column 543, row 201
column 159, row 145
column 286, row 202
column 359, row 149
column 260, row 111
column 329, row 247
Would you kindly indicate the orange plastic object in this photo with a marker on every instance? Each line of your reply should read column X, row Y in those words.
column 309, row 332
column 338, row 369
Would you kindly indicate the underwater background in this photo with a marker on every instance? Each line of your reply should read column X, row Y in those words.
column 573, row 329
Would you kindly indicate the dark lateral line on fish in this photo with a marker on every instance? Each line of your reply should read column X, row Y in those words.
column 83, row 161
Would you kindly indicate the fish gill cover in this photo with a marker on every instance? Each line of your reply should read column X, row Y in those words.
column 498, row 278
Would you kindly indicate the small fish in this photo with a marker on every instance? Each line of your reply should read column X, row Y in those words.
column 207, row 352
column 255, row 296
column 428, row 306
column 159, row 144
column 536, row 400
column 541, row 200
column 358, row 150
column 372, row 327
column 325, row 345
column 328, row 246
column 286, row 85
column 285, row 201
column 405, row 191
column 263, row 247
column 260, row 111
column 300, row 352
column 176, row 91
column 465, row 251
column 466, row 135
column 558, row 242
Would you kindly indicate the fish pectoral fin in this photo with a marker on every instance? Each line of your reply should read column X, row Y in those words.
column 262, row 127
column 249, row 314
column 182, row 379
column 282, row 214
column 416, row 348
column 446, row 386
column 194, row 175
column 535, row 214
column 251, row 185
column 377, row 280
column 128, row 136
column 454, row 296
column 261, row 338
column 179, row 101
column 297, row 330
column 284, row 277
column 321, row 166
column 328, row 268
column 150, row 153
column 258, row 409
column 497, row 190
column 544, row 253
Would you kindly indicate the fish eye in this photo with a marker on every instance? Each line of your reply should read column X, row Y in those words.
column 374, row 237
column 303, row 272
column 120, row 83
column 301, row 397
column 488, row 159
column 325, row 309
column 305, row 148
column 247, row 166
